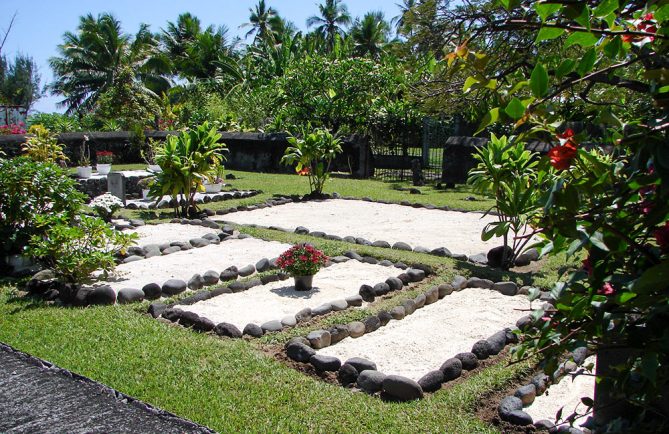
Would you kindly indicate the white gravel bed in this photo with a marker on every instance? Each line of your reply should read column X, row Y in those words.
column 567, row 393
column 458, row 231
column 168, row 232
column 279, row 299
column 421, row 342
column 182, row 265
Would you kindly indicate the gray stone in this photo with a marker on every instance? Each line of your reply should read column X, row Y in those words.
column 394, row 283
column 130, row 295
column 372, row 323
column 381, row 289
column 102, row 295
column 370, row 260
column 404, row 278
column 415, row 275
column 199, row 242
column 401, row 265
column 269, row 278
column 451, row 368
column 171, row 249
column 324, row 363
column 444, row 290
column 481, row 349
column 361, row 364
column 362, row 241
column 299, row 352
column 384, row 317
column 420, row 301
column 289, row 321
column 247, row 270
column 371, row 381
column 238, row 286
column 497, row 342
column 349, row 239
column 210, row 236
column 508, row 405
column 203, row 325
column 340, row 259
column 402, row 246
column 156, row 309
column 151, row 291
column 519, row 417
column 409, row 306
column 385, row 263
column 381, row 243
column 317, row 234
column 459, row 256
column 173, row 287
column 272, row 326
column 301, row 230
column 524, row 290
column 532, row 254
column 303, row 315
column 441, row 251
column 432, row 295
column 475, row 282
column 323, row 309
column 397, row 312
column 347, row 375
column 210, row 277
column 219, row 291
column 431, row 382
column 526, row 393
column 401, row 388
column 353, row 255
column 544, row 425
column 298, row 339
column 188, row 319
column 229, row 273
column 263, row 265
column 458, row 283
column 421, row 249
column 133, row 250
column 253, row 330
column 469, row 360
column 132, row 258
column 524, row 322
column 506, row 288
column 197, row 282
column 511, row 336
column 356, row 329
column 522, row 260
column 579, row 355
column 496, row 253
column 338, row 333
column 479, row 258
column 339, row 305
column 367, row 293
column 354, row 300
column 319, row 339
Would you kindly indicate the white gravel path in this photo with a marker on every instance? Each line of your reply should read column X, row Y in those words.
column 421, row 342
column 168, row 232
column 182, row 265
column 458, row 231
column 279, row 299
column 566, row 393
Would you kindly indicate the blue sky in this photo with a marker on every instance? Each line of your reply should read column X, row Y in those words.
column 39, row 25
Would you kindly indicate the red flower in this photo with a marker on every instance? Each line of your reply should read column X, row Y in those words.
column 662, row 237
column 648, row 16
column 606, row 289
column 568, row 134
column 304, row 171
column 562, row 155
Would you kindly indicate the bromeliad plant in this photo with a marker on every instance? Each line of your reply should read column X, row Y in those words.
column 302, row 260
column 312, row 156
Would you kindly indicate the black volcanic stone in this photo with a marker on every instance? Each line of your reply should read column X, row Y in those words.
column 102, row 295
column 253, row 330
column 361, row 364
column 151, row 291
column 371, row 381
column 384, row 317
column 228, row 330
column 381, row 289
column 394, row 283
column 325, row 363
column 481, row 349
column 431, row 382
column 367, row 293
column 469, row 361
column 371, row 323
column 173, row 287
column 452, row 369
column 401, row 388
column 347, row 375
column 203, row 325
column 156, row 309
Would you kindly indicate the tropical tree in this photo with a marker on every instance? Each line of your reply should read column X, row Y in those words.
column 402, row 21
column 264, row 22
column 370, row 34
column 333, row 17
column 19, row 81
column 91, row 60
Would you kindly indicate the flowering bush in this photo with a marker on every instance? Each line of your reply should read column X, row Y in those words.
column 106, row 205
column 312, row 156
column 13, row 129
column 105, row 157
column 302, row 260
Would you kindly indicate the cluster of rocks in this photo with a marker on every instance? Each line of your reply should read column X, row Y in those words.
column 510, row 408
column 97, row 185
column 203, row 198
column 361, row 373
column 137, row 253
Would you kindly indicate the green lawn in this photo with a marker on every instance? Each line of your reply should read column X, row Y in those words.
column 234, row 385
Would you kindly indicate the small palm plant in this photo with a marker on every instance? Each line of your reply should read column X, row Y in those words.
column 312, row 156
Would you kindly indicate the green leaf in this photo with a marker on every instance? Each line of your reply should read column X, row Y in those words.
column 548, row 33
column 613, row 47
column 515, row 109
column 565, row 67
column 491, row 117
column 584, row 39
column 469, row 82
column 662, row 13
column 605, row 8
column 625, row 297
column 587, row 62
column 332, row 93
column 545, row 10
column 652, row 278
column 539, row 80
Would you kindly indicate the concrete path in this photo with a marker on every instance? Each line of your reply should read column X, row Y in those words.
column 37, row 397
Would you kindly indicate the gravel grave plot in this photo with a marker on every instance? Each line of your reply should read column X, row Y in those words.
column 168, row 232
column 182, row 265
column 421, row 342
column 457, row 231
column 567, row 393
column 276, row 300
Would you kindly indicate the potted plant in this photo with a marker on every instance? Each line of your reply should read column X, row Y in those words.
column 302, row 261
column 84, row 169
column 148, row 153
column 106, row 205
column 214, row 181
column 145, row 184
column 104, row 164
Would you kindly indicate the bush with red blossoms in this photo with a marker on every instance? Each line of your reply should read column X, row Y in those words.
column 302, row 260
column 18, row 128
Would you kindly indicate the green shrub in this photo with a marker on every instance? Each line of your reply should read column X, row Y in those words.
column 312, row 156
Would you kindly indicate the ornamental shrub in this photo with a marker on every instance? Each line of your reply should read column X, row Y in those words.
column 106, row 205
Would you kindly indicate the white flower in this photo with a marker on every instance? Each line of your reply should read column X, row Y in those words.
column 107, row 202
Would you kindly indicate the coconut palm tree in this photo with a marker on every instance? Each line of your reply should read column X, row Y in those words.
column 333, row 16
column 92, row 59
column 370, row 34
column 400, row 21
column 264, row 22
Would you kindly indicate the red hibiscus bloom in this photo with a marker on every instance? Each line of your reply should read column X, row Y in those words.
column 568, row 134
column 561, row 156
column 606, row 289
column 304, row 171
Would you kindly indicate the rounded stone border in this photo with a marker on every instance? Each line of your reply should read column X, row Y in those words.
column 104, row 389
column 510, row 408
column 396, row 387
column 203, row 324
column 217, row 197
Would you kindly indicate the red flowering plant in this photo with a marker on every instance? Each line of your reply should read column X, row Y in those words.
column 104, row 157
column 302, row 260
column 18, row 128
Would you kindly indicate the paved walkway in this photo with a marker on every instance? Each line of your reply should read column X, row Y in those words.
column 36, row 397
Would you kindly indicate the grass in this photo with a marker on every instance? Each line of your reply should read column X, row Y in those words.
column 234, row 385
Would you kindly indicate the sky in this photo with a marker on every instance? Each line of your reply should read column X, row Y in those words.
column 40, row 24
